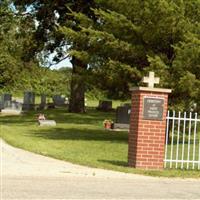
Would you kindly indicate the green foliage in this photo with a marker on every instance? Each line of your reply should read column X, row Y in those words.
column 15, row 35
column 55, row 82
column 44, row 81
column 8, row 62
column 186, row 68
column 50, row 15
column 162, row 70
column 113, row 43
column 95, row 94
column 18, row 70
column 130, row 38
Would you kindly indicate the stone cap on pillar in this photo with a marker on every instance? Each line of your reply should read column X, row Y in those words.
column 151, row 80
column 147, row 89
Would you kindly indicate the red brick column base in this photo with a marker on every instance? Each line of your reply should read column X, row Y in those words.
column 146, row 143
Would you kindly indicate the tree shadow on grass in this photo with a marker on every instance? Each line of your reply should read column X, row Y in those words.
column 92, row 116
column 115, row 162
column 80, row 134
column 21, row 120
column 61, row 116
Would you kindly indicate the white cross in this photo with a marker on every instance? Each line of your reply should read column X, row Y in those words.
column 151, row 80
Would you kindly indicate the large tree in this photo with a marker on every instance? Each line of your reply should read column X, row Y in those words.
column 49, row 15
column 132, row 37
column 120, row 41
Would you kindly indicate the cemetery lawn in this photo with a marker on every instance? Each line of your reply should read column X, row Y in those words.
column 77, row 138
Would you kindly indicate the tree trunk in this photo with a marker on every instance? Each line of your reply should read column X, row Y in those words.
column 77, row 96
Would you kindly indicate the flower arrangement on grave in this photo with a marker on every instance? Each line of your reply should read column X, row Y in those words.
column 41, row 117
column 107, row 123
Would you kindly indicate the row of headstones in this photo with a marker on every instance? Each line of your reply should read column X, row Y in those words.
column 28, row 103
column 122, row 112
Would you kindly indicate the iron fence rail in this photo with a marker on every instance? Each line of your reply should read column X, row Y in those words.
column 182, row 148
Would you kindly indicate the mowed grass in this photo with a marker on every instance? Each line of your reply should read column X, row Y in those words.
column 78, row 138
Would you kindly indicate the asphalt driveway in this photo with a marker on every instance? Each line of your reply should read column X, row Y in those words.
column 25, row 175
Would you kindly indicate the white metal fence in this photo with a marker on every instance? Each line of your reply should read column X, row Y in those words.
column 182, row 148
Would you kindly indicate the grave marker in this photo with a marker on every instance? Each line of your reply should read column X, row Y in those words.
column 123, row 114
column 5, row 100
column 13, row 108
column 105, row 106
column 29, row 101
column 58, row 100
column 47, row 122
column 42, row 102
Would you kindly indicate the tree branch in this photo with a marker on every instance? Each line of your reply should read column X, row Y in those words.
column 51, row 64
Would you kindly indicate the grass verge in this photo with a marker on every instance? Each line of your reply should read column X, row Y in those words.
column 77, row 138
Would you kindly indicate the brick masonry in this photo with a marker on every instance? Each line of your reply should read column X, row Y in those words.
column 146, row 137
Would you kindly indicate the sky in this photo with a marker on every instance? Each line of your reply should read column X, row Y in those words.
column 64, row 63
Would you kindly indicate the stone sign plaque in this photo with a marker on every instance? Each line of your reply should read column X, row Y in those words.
column 153, row 108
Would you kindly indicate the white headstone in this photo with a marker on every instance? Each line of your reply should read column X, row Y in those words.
column 47, row 123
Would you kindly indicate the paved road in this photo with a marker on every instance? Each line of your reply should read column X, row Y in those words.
column 25, row 176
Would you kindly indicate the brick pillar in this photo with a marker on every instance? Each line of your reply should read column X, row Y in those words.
column 146, row 143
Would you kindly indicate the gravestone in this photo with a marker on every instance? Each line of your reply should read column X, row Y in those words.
column 123, row 117
column 47, row 123
column 123, row 114
column 50, row 105
column 1, row 105
column 105, row 106
column 58, row 100
column 29, row 101
column 43, row 102
column 5, row 100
